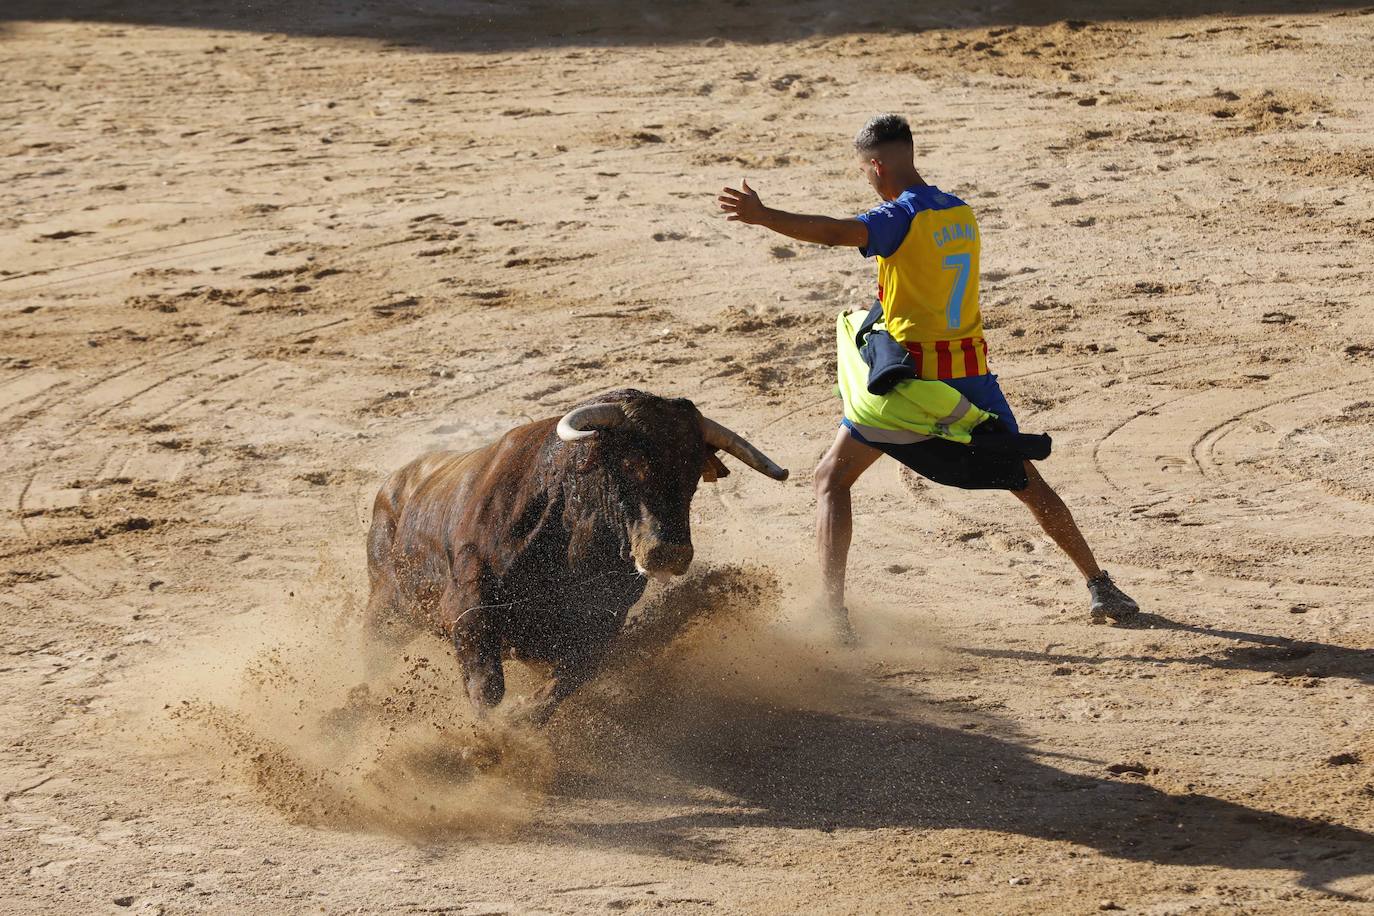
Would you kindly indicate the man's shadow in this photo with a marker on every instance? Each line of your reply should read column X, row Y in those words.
column 892, row 765
column 1276, row 655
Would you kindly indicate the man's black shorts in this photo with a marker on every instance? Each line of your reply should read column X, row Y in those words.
column 992, row 461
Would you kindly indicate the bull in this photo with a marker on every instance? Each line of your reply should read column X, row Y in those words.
column 537, row 545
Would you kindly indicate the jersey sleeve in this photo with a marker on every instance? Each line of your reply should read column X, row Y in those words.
column 887, row 228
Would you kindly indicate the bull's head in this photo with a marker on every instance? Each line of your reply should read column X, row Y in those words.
column 654, row 451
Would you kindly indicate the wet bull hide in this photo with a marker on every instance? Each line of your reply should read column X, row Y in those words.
column 538, row 544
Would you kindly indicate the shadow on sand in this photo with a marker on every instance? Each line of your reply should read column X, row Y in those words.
column 893, row 768
column 483, row 25
column 1267, row 654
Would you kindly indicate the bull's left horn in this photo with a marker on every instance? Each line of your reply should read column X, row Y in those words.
column 718, row 436
column 581, row 422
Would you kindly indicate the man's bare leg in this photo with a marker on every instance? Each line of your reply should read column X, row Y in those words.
column 1107, row 602
column 842, row 465
column 1049, row 510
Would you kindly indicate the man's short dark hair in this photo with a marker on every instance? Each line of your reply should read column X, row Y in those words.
column 885, row 128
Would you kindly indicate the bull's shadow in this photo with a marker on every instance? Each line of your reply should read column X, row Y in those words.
column 1261, row 652
column 813, row 770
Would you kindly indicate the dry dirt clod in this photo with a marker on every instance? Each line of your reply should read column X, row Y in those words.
column 1128, row 769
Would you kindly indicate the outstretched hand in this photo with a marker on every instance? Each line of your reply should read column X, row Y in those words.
column 743, row 205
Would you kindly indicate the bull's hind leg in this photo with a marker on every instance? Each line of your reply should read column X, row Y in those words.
column 384, row 592
column 384, row 613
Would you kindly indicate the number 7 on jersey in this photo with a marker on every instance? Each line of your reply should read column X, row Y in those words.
column 963, row 263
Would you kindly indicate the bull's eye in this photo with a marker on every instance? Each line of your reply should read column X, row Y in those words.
column 637, row 467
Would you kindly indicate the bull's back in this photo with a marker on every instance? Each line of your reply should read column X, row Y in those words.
column 399, row 491
column 441, row 497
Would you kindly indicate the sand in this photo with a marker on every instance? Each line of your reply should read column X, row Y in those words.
column 252, row 261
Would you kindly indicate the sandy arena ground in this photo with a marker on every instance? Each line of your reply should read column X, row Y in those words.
column 252, row 261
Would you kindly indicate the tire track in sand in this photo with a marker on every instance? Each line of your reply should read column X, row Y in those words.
column 101, row 409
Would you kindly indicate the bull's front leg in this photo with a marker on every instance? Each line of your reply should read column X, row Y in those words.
column 472, row 627
column 568, row 675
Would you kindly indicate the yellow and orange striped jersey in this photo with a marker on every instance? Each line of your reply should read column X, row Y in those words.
column 927, row 246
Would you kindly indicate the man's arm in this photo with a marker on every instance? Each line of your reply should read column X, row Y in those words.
column 744, row 206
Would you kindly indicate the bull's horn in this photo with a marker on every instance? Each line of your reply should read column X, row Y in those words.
column 718, row 436
column 581, row 422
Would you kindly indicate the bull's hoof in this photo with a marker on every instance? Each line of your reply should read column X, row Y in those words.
column 482, row 756
column 531, row 713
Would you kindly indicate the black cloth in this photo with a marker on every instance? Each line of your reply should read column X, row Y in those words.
column 991, row 461
column 888, row 361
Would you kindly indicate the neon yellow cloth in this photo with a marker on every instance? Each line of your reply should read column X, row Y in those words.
column 927, row 408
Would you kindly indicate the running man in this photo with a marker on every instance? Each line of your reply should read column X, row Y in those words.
column 927, row 245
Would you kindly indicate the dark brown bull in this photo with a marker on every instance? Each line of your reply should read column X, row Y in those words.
column 538, row 544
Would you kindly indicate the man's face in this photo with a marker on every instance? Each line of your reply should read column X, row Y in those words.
column 870, row 168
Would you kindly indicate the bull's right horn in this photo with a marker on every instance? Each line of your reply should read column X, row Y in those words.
column 718, row 436
column 581, row 422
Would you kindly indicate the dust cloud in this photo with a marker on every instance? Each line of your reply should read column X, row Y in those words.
column 333, row 726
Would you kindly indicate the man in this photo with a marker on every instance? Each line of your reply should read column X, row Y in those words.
column 927, row 246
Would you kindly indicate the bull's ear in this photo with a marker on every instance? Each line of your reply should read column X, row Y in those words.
column 713, row 469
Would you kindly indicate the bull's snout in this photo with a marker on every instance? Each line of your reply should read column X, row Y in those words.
column 660, row 550
column 663, row 560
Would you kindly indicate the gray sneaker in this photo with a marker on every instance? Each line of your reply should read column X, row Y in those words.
column 1108, row 601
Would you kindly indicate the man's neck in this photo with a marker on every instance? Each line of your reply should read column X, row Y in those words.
column 905, row 181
